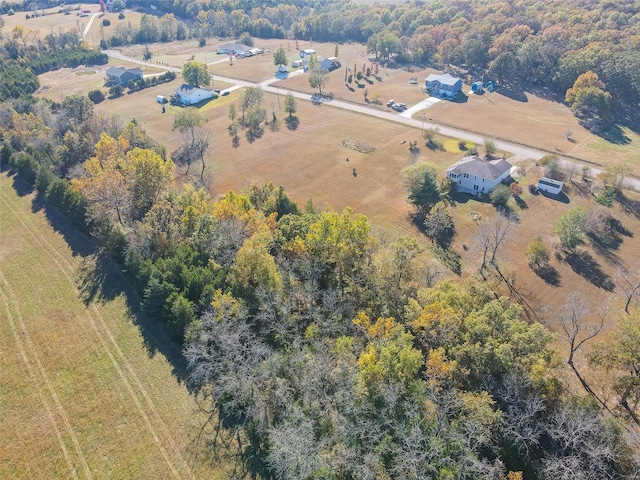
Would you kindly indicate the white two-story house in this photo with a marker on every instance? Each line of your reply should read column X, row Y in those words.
column 474, row 175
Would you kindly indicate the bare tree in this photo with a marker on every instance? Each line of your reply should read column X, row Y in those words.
column 629, row 282
column 576, row 327
column 491, row 235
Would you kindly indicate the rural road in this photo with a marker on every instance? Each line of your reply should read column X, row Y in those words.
column 520, row 152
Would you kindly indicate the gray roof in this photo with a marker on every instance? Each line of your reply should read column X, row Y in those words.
column 118, row 71
column 477, row 167
column 236, row 47
column 189, row 89
column 444, row 79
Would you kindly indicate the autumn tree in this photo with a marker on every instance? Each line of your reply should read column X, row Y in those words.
column 589, row 101
column 121, row 185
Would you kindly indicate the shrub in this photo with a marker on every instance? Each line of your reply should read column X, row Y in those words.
column 96, row 96
column 606, row 196
column 462, row 145
column 500, row 195
column 553, row 169
column 121, row 16
column 106, row 23
column 116, row 91
column 516, row 190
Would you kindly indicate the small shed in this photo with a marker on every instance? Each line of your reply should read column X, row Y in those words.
column 476, row 87
column 550, row 185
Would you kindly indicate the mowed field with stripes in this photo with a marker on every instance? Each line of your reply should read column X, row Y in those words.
column 86, row 388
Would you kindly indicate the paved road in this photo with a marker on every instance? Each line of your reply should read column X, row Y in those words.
column 519, row 152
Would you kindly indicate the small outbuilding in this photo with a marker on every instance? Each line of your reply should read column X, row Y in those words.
column 477, row 87
column 550, row 185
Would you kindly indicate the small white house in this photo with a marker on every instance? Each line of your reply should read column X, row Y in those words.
column 297, row 63
column 474, row 175
column 307, row 52
column 189, row 95
column 549, row 185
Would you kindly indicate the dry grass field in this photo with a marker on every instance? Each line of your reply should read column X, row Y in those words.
column 88, row 389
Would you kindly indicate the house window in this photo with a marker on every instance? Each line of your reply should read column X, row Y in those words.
column 459, row 182
column 466, row 175
column 483, row 180
column 475, row 187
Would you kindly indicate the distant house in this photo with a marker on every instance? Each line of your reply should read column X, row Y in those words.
column 474, row 175
column 307, row 53
column 550, row 186
column 189, row 95
column 234, row 49
column 330, row 63
column 443, row 85
column 122, row 76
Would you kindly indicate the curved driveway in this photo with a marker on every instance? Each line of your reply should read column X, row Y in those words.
column 519, row 152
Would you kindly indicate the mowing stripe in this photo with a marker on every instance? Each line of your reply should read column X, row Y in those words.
column 21, row 347
column 67, row 269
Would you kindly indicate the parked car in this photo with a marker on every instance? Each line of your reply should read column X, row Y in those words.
column 390, row 102
column 225, row 93
column 217, row 90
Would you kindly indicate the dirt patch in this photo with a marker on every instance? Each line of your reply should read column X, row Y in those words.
column 358, row 146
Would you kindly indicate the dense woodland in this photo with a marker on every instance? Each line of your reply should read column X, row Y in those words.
column 326, row 353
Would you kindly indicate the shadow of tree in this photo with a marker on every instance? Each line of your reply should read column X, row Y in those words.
column 253, row 135
column 100, row 280
column 614, row 134
column 521, row 203
column 548, row 274
column 605, row 247
column 588, row 268
column 292, row 122
column 629, row 206
column 616, row 226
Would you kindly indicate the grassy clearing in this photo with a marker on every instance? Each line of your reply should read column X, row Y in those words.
column 85, row 393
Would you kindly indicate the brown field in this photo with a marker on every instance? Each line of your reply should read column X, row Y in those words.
column 89, row 389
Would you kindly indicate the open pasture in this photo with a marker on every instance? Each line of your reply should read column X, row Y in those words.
column 90, row 389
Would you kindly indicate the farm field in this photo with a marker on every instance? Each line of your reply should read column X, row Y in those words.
column 89, row 389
